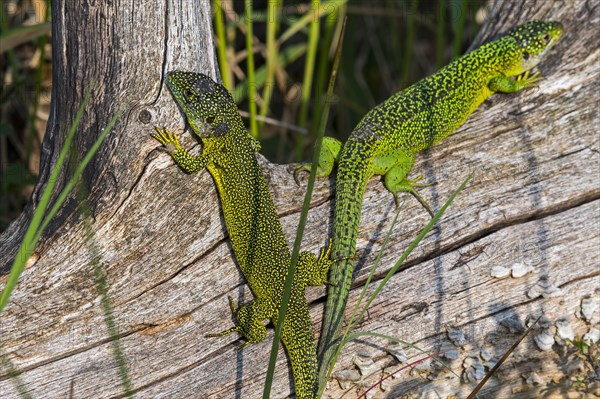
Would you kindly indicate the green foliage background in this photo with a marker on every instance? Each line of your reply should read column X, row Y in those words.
column 388, row 45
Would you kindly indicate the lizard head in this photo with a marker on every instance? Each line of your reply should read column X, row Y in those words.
column 208, row 106
column 533, row 40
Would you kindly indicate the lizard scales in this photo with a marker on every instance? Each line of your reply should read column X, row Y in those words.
column 256, row 235
column 387, row 138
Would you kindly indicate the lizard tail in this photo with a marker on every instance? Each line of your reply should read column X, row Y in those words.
column 298, row 338
column 352, row 177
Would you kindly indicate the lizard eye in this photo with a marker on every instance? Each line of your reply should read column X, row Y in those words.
column 189, row 93
column 210, row 120
column 546, row 38
column 525, row 55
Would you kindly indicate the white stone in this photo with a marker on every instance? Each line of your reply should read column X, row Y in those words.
column 544, row 340
column 500, row 272
column 589, row 306
column 486, row 354
column 457, row 337
column 592, row 336
column 396, row 350
column 564, row 330
column 346, row 377
column 534, row 379
column 520, row 269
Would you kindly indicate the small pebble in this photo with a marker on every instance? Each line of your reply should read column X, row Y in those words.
column 474, row 370
column 424, row 365
column 534, row 379
column 500, row 272
column 513, row 324
column 594, row 388
column 449, row 351
column 346, row 377
column 421, row 367
column 544, row 340
column 589, row 306
column 564, row 330
column 486, row 354
column 544, row 288
column 396, row 350
column 457, row 337
column 364, row 362
column 592, row 336
column 520, row 269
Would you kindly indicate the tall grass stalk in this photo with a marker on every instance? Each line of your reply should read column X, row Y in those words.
column 222, row 45
column 308, row 18
column 274, row 7
column 301, row 224
column 38, row 222
column 440, row 42
column 459, row 25
column 250, row 67
column 337, row 15
column 408, row 43
column 28, row 245
column 309, row 67
column 357, row 316
column 102, row 288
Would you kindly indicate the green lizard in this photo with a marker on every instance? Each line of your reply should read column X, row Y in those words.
column 387, row 138
column 256, row 234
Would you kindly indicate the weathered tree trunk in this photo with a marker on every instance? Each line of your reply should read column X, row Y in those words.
column 533, row 202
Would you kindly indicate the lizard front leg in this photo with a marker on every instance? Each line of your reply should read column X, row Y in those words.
column 328, row 157
column 187, row 162
column 504, row 84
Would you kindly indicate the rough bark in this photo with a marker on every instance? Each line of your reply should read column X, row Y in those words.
column 534, row 200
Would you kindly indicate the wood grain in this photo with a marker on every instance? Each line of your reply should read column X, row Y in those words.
column 534, row 200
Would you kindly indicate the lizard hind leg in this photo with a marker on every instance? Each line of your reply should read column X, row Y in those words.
column 249, row 320
column 312, row 270
column 396, row 181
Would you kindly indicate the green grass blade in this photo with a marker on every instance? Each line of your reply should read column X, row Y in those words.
column 78, row 171
column 386, row 240
column 413, row 245
column 285, row 57
column 459, row 24
column 17, row 269
column 343, row 339
column 440, row 34
column 102, row 286
column 301, row 224
column 307, row 19
column 407, row 59
column 394, row 269
column 309, row 67
column 274, row 6
column 28, row 245
column 222, row 45
column 250, row 66
column 323, row 59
